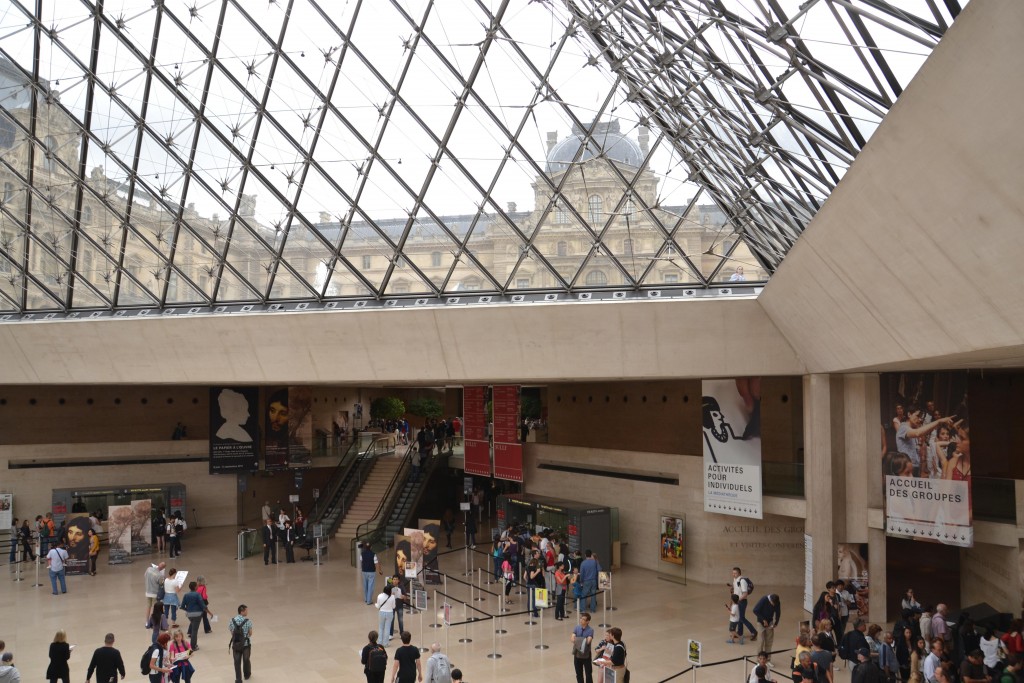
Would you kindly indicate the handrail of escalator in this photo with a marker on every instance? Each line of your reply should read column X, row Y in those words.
column 352, row 455
column 379, row 518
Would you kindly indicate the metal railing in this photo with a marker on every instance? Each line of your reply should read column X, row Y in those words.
column 373, row 529
column 348, row 477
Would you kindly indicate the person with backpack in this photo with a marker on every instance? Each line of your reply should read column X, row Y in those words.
column 742, row 586
column 240, row 627
column 374, row 659
column 439, row 668
column 156, row 661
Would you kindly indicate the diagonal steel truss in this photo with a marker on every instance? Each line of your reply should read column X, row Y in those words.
column 173, row 113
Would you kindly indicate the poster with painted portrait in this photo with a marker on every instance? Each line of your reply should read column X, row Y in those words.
column 78, row 545
column 731, row 421
column 300, row 426
column 852, row 569
column 276, row 410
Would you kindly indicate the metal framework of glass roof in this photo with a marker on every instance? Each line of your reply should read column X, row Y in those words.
column 173, row 153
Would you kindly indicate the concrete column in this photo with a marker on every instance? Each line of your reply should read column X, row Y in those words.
column 879, row 601
column 862, row 464
column 824, row 472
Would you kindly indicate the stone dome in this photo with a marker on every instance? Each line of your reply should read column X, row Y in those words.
column 606, row 138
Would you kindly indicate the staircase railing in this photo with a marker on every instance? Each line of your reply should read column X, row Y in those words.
column 373, row 529
column 347, row 479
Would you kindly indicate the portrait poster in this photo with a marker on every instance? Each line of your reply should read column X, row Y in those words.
column 431, row 540
column 6, row 510
column 275, row 428
column 852, row 568
column 673, row 532
column 234, row 429
column 926, row 456
column 119, row 533
column 731, row 417
column 142, row 527
column 300, row 426
column 403, row 553
column 78, row 544
column 415, row 537
column 604, row 581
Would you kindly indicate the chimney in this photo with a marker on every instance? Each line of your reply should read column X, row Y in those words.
column 645, row 136
column 511, row 207
column 325, row 217
column 552, row 140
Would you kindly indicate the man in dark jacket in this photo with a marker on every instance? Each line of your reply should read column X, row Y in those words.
column 106, row 662
column 866, row 671
column 853, row 641
column 768, row 611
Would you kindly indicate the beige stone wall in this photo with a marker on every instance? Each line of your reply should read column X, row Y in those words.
column 770, row 550
column 989, row 573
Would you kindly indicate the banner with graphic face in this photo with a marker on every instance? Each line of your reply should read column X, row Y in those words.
column 234, row 429
column 731, row 417
column 926, row 456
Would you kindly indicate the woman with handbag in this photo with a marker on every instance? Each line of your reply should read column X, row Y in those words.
column 509, row 577
column 157, row 621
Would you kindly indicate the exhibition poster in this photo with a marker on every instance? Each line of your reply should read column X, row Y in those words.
column 731, row 416
column 926, row 456
column 234, row 429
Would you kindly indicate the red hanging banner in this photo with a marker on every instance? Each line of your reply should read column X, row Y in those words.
column 474, row 414
column 508, row 450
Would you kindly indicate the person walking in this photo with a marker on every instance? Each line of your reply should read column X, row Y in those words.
column 201, row 589
column 241, row 645
column 56, row 560
column 368, row 563
column 741, row 586
column 581, row 638
column 60, row 653
column 407, row 662
column 195, row 609
column 8, row 672
column 374, row 659
column 439, row 668
column 106, row 662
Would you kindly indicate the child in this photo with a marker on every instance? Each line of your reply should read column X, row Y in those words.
column 734, row 619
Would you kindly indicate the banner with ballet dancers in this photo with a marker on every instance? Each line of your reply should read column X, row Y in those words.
column 731, row 410
column 926, row 457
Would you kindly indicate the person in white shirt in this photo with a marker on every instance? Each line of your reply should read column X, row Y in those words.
column 762, row 660
column 933, row 661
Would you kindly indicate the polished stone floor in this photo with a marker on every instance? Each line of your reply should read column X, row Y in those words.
column 310, row 620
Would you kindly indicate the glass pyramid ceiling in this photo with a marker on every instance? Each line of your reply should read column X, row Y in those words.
column 157, row 154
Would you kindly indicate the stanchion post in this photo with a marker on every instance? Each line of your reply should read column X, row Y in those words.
column 530, row 593
column 494, row 645
column 465, row 617
column 502, row 608
column 435, row 624
column 542, row 646
column 38, row 562
column 611, row 602
column 604, row 610
column 422, row 649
